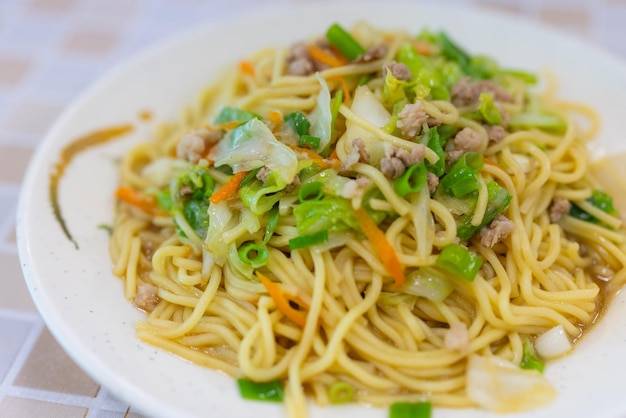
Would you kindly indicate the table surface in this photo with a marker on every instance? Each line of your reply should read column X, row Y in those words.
column 50, row 51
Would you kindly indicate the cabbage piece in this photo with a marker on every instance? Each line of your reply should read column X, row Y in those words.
column 502, row 387
column 330, row 214
column 428, row 282
column 252, row 145
column 259, row 196
column 219, row 218
column 321, row 117
column 366, row 106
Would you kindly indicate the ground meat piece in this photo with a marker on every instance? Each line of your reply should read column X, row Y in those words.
column 411, row 118
column 263, row 173
column 357, row 153
column 457, row 337
column 432, row 181
column 496, row 133
column 355, row 188
column 295, row 183
column 466, row 92
column 399, row 71
column 467, row 140
column 373, row 53
column 301, row 66
column 395, row 163
column 299, row 62
column 194, row 145
column 146, row 298
column 185, row 190
column 496, row 231
column 560, row 206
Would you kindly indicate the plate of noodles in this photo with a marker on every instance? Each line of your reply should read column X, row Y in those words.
column 392, row 209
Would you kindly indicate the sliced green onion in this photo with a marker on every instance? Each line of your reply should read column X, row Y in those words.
column 411, row 181
column 340, row 392
column 311, row 191
column 260, row 391
column 308, row 141
column 164, row 200
column 461, row 179
column 499, row 200
column 454, row 52
column 233, row 114
column 530, row 361
column 302, row 241
column 599, row 199
column 488, row 109
column 435, row 143
column 253, row 254
column 299, row 122
column 272, row 222
column 344, row 42
column 249, row 177
column 446, row 132
column 460, row 261
column 410, row 410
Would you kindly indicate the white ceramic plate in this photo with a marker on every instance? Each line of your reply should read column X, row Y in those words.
column 82, row 302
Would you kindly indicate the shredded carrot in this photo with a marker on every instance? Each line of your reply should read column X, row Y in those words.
column 281, row 299
column 322, row 56
column 346, row 90
column 493, row 163
column 229, row 188
column 227, row 126
column 246, row 67
column 422, row 47
column 317, row 159
column 145, row 202
column 276, row 118
column 381, row 245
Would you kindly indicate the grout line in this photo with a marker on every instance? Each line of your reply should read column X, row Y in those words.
column 22, row 355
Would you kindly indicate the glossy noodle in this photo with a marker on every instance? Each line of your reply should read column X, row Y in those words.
column 398, row 219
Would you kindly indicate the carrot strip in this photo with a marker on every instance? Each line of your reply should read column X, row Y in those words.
column 282, row 301
column 145, row 202
column 227, row 126
column 320, row 55
column 423, row 47
column 229, row 188
column 381, row 245
column 317, row 159
column 246, row 67
column 276, row 118
column 346, row 90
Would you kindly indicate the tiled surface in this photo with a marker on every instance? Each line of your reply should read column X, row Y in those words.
column 50, row 50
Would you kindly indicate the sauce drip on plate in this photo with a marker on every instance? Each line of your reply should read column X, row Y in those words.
column 65, row 158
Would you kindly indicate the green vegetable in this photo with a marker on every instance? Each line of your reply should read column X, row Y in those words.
column 411, row 181
column 196, row 214
column 311, row 191
column 435, row 143
column 272, row 222
column 302, row 241
column 488, row 109
column 446, row 132
column 335, row 104
column 499, row 200
column 454, row 52
column 459, row 261
column 393, row 90
column 599, row 199
column 309, row 141
column 328, row 214
column 260, row 197
column 233, row 114
column 482, row 67
column 344, row 42
column 535, row 116
column 260, row 391
column 340, row 392
column 410, row 410
column 253, row 254
column 530, row 361
column 428, row 282
column 461, row 178
column 299, row 122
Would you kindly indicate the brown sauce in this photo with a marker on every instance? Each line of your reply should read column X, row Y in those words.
column 145, row 115
column 65, row 158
